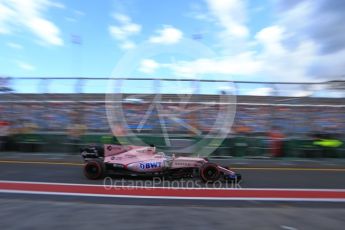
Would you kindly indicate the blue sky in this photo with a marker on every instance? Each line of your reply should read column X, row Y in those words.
column 268, row 40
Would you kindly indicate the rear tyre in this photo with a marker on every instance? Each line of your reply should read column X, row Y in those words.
column 209, row 172
column 94, row 169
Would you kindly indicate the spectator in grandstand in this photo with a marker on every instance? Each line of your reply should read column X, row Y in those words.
column 29, row 127
column 4, row 133
column 276, row 138
column 241, row 129
column 74, row 133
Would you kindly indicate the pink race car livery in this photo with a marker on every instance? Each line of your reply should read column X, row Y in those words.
column 145, row 161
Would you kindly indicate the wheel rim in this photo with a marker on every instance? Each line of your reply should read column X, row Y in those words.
column 211, row 173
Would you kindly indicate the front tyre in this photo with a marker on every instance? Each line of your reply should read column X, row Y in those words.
column 209, row 172
column 94, row 169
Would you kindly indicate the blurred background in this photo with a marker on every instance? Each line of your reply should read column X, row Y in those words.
column 266, row 119
column 282, row 60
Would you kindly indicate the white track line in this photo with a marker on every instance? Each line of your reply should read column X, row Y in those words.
column 175, row 197
column 182, row 188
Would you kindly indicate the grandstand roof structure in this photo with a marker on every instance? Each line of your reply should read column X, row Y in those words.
column 170, row 98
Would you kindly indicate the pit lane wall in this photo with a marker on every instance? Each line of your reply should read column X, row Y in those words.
column 237, row 146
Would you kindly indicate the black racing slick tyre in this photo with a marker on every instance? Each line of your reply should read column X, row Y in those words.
column 209, row 172
column 94, row 169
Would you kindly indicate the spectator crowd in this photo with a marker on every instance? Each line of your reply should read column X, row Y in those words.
column 249, row 119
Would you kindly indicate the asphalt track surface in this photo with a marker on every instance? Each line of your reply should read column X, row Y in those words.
column 28, row 214
column 256, row 174
column 70, row 212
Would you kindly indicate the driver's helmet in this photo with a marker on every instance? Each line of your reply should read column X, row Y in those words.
column 152, row 148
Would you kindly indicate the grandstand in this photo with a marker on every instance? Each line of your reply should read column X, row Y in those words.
column 295, row 116
column 62, row 114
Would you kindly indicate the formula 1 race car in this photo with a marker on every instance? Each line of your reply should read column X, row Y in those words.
column 145, row 161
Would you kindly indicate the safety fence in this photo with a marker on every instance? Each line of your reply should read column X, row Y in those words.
column 235, row 146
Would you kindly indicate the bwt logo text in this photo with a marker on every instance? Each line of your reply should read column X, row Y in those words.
column 150, row 165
